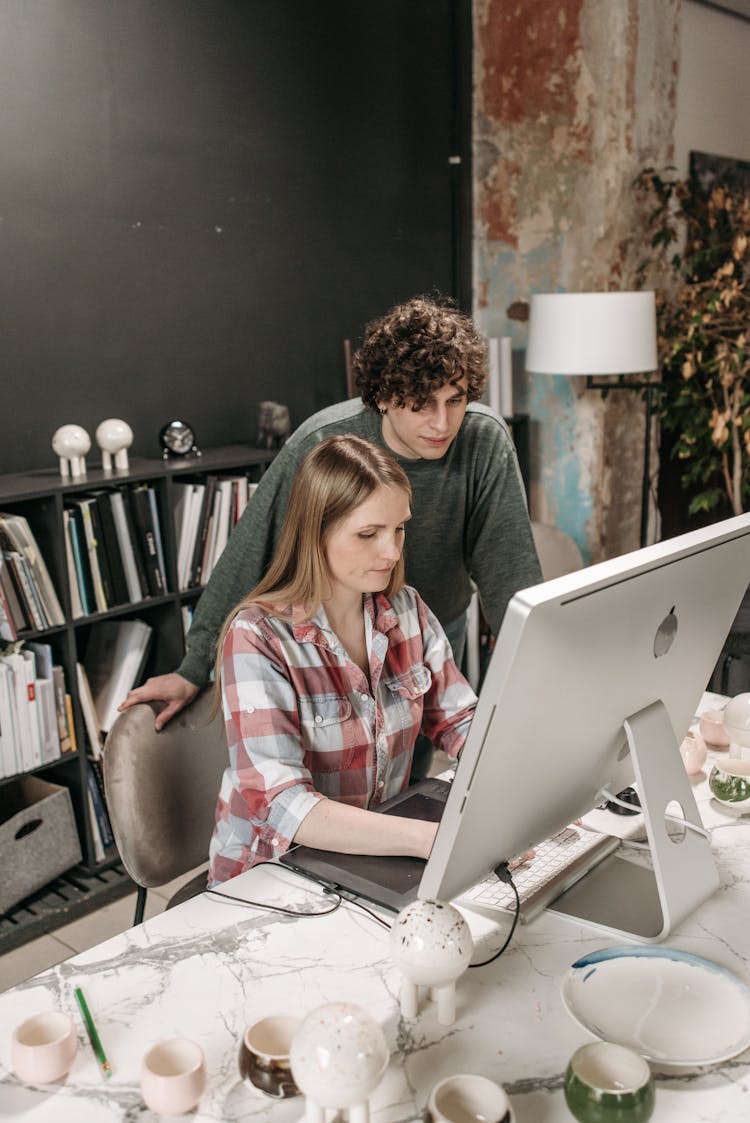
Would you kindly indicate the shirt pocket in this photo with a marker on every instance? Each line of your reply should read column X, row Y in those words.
column 323, row 721
column 405, row 705
column 411, row 684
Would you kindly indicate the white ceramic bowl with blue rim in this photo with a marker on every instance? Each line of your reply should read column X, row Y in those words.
column 672, row 1007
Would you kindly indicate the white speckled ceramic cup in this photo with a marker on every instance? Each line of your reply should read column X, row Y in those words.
column 173, row 1076
column 468, row 1098
column 43, row 1047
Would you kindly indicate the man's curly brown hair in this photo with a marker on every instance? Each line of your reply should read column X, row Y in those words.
column 414, row 349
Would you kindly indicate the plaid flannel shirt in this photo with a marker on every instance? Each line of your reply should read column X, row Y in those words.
column 304, row 723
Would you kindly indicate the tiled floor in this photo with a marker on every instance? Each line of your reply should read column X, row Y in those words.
column 36, row 956
column 21, row 963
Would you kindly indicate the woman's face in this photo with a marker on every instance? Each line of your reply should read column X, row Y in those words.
column 363, row 547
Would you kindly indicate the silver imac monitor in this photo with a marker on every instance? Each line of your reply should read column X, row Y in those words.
column 593, row 682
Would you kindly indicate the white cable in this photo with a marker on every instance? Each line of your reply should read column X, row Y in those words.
column 604, row 793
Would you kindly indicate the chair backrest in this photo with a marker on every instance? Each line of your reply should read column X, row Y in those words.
column 162, row 787
column 558, row 552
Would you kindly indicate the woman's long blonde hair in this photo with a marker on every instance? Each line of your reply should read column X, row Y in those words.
column 335, row 477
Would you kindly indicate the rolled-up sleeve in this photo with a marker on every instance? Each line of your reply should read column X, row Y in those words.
column 449, row 702
column 266, row 791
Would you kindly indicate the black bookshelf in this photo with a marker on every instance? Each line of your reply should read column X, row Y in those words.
column 40, row 497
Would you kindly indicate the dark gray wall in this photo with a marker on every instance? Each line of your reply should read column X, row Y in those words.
column 200, row 199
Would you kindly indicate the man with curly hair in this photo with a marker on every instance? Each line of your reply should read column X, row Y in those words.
column 420, row 371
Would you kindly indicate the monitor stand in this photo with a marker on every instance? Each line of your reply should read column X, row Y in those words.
column 626, row 898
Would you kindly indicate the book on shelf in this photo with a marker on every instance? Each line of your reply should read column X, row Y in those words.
column 8, row 632
column 110, row 546
column 96, row 834
column 88, row 711
column 87, row 522
column 26, row 745
column 202, row 533
column 29, row 597
column 10, row 763
column 29, row 722
column 63, row 712
column 242, row 494
column 187, row 531
column 95, row 785
column 18, row 620
column 146, row 538
column 135, row 580
column 45, row 695
column 212, row 534
column 70, row 721
column 78, row 545
column 74, row 590
column 156, row 525
column 16, row 536
column 224, row 522
column 114, row 661
column 102, row 556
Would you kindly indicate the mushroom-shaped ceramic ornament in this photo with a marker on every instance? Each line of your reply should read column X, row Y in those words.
column 114, row 438
column 431, row 944
column 71, row 443
column 338, row 1056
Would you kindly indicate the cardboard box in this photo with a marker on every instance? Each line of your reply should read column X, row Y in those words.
column 38, row 837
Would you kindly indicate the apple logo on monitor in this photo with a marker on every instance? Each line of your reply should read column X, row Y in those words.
column 665, row 634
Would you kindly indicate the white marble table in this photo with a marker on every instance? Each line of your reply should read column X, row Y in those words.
column 209, row 968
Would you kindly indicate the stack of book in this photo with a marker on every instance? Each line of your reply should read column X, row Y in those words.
column 205, row 514
column 115, row 658
column 114, row 548
column 36, row 717
column 28, row 601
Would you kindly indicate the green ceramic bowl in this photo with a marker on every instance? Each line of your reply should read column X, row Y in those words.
column 730, row 784
column 607, row 1083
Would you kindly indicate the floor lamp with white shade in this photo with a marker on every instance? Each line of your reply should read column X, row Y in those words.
column 598, row 333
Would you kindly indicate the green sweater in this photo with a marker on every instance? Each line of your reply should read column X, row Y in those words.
column 469, row 522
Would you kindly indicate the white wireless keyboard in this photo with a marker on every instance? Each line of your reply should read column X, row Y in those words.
column 559, row 862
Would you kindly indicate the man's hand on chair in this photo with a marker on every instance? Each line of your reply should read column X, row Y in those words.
column 172, row 689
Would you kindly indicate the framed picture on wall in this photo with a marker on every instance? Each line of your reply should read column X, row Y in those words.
column 707, row 170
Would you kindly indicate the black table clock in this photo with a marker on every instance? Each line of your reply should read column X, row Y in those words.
column 177, row 438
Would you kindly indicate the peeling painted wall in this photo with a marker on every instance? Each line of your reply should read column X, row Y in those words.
column 572, row 98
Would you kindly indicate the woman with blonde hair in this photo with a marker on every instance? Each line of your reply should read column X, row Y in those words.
column 328, row 670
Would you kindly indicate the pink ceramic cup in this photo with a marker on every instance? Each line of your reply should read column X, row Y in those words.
column 43, row 1047
column 173, row 1076
column 712, row 729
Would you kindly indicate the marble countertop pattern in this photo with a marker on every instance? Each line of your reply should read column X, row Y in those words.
column 209, row 968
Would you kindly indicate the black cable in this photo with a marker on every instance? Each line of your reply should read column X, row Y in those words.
column 279, row 908
column 504, row 874
column 370, row 913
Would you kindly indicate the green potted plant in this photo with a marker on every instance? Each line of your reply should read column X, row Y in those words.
column 703, row 315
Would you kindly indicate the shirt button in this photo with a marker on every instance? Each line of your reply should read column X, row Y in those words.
column 381, row 784
column 274, row 842
column 251, row 709
column 318, row 719
column 364, row 697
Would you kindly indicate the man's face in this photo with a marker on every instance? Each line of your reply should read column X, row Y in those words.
column 426, row 433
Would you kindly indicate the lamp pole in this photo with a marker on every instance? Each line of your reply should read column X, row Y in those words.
column 592, row 384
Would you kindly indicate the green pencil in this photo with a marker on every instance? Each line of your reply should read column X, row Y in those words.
column 96, row 1044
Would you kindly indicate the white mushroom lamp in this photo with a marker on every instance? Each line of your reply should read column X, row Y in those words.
column 431, row 944
column 114, row 438
column 71, row 443
column 338, row 1056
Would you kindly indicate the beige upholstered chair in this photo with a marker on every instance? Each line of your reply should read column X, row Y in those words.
column 161, row 791
column 558, row 553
